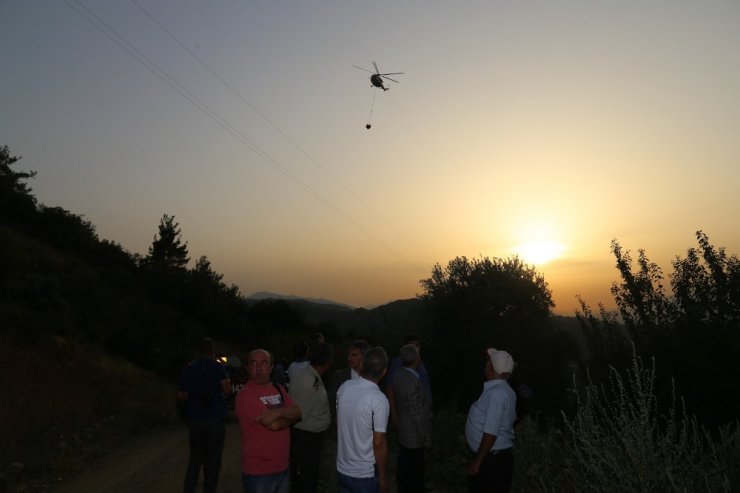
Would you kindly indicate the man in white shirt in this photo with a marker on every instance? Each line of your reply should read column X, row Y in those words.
column 362, row 420
column 489, row 430
column 355, row 352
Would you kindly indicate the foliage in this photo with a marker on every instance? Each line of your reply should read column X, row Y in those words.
column 706, row 286
column 57, row 277
column 13, row 180
column 620, row 441
column 486, row 289
column 641, row 296
column 66, row 231
column 17, row 205
column 607, row 341
column 693, row 331
column 167, row 249
column 480, row 303
column 449, row 456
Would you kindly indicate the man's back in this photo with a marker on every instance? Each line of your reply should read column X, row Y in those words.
column 362, row 409
column 414, row 410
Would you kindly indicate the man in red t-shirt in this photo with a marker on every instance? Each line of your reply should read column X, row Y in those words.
column 265, row 411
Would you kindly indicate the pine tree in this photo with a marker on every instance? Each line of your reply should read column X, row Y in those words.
column 167, row 249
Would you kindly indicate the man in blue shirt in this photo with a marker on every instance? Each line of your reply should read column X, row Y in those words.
column 489, row 430
column 203, row 386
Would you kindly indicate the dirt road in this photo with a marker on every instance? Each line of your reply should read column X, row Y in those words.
column 155, row 462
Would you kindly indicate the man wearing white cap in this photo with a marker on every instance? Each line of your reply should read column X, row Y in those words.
column 489, row 430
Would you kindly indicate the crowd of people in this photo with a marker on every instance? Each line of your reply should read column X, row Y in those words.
column 286, row 422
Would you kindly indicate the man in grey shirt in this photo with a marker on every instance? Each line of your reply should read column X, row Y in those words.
column 414, row 421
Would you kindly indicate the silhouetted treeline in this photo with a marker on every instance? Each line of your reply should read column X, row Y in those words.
column 692, row 329
column 57, row 277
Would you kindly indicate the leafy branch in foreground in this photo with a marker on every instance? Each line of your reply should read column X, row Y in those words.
column 620, row 441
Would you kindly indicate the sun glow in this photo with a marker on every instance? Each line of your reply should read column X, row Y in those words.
column 539, row 252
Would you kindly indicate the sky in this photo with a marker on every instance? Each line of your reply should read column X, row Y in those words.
column 535, row 128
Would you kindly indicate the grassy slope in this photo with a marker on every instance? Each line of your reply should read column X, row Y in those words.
column 65, row 404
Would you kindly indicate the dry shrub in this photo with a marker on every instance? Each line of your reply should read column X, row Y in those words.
column 619, row 440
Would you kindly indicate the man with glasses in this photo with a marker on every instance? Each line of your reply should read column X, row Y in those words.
column 265, row 411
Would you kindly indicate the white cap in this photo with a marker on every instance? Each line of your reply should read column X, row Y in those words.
column 501, row 360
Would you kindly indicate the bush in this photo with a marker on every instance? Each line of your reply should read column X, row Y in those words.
column 619, row 440
column 447, row 460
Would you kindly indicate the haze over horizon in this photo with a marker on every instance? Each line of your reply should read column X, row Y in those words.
column 543, row 129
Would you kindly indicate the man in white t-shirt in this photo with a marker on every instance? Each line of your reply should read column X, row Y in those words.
column 362, row 420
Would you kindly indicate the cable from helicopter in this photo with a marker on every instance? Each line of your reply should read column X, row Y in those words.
column 376, row 81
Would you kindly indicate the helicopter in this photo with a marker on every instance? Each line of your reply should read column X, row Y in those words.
column 377, row 78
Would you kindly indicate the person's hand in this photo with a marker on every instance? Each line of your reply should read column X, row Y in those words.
column 384, row 485
column 268, row 417
column 473, row 468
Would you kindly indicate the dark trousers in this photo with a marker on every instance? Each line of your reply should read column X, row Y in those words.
column 206, row 447
column 495, row 473
column 305, row 458
column 410, row 470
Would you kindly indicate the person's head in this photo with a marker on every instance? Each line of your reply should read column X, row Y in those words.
column 300, row 350
column 409, row 355
column 374, row 364
column 356, row 350
column 315, row 338
column 501, row 362
column 320, row 356
column 412, row 339
column 259, row 364
column 207, row 347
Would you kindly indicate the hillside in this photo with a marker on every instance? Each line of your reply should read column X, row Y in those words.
column 67, row 405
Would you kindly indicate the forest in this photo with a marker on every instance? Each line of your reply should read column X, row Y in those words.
column 645, row 398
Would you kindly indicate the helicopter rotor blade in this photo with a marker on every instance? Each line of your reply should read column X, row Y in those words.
column 393, row 73
column 366, row 70
column 383, row 76
column 377, row 70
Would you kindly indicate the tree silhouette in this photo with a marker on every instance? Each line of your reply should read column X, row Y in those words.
column 486, row 290
column 491, row 302
column 167, row 249
column 693, row 332
column 17, row 204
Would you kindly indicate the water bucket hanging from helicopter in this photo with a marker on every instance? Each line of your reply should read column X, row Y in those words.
column 376, row 81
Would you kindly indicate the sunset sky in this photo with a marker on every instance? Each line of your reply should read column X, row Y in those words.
column 559, row 124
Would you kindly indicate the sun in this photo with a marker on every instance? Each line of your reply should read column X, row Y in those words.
column 537, row 235
column 539, row 252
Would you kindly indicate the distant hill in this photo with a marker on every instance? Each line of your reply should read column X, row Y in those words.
column 266, row 295
column 392, row 320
